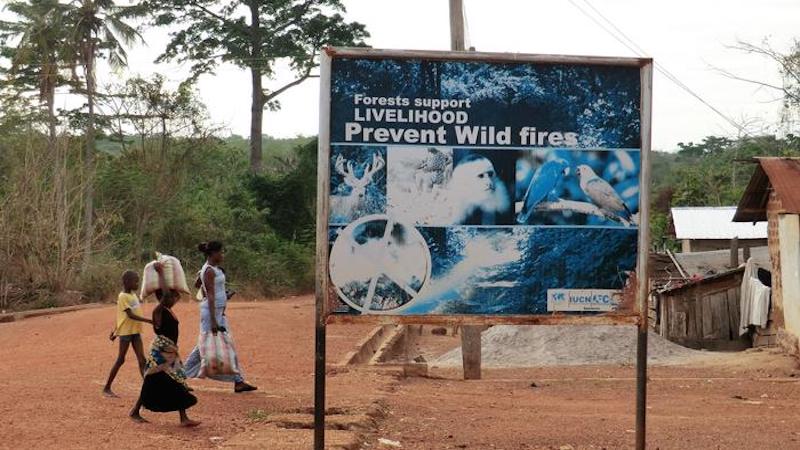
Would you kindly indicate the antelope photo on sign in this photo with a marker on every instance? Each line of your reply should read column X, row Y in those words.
column 483, row 185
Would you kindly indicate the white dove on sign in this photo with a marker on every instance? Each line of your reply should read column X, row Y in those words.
column 601, row 193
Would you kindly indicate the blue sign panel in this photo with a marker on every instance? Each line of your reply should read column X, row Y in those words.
column 482, row 188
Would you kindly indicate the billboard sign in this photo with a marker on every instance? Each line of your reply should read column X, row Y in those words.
column 480, row 184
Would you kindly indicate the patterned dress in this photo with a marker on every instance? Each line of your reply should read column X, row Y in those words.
column 164, row 388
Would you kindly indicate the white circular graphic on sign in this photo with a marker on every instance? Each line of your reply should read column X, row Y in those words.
column 379, row 266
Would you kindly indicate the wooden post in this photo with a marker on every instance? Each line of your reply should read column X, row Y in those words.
column 470, row 334
column 735, row 252
column 471, row 351
column 745, row 253
column 643, row 275
column 323, row 186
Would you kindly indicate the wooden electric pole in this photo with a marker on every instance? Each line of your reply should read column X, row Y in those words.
column 457, row 25
column 470, row 334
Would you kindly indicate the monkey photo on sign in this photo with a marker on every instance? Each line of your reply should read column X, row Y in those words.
column 478, row 195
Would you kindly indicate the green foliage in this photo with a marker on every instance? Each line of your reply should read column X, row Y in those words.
column 98, row 29
column 660, row 239
column 287, row 199
column 35, row 44
column 208, row 193
column 714, row 172
column 257, row 36
column 100, row 279
column 279, row 154
column 253, row 35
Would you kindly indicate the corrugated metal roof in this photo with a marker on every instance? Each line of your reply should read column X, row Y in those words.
column 694, row 282
column 717, row 261
column 784, row 176
column 713, row 223
column 780, row 174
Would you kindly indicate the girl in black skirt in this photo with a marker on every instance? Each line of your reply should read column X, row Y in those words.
column 164, row 388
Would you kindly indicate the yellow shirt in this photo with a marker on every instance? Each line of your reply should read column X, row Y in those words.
column 125, row 325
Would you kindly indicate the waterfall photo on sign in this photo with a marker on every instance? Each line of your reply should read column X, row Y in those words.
column 469, row 186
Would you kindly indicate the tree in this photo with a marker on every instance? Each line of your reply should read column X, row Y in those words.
column 148, row 108
column 255, row 35
column 147, row 176
column 97, row 29
column 37, row 60
column 789, row 68
column 36, row 57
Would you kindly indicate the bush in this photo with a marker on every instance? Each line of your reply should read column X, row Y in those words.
column 101, row 279
column 146, row 201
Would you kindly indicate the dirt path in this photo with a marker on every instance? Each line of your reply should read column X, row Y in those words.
column 747, row 401
column 52, row 370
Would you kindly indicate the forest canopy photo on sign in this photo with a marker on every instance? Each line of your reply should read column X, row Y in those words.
column 482, row 188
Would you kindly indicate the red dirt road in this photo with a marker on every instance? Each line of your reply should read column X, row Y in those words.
column 593, row 408
column 52, row 370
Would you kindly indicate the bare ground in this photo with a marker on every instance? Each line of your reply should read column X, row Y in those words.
column 707, row 401
column 52, row 370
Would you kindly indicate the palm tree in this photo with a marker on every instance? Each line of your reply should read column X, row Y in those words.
column 37, row 54
column 97, row 30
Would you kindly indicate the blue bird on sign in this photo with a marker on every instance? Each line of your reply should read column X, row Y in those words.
column 543, row 186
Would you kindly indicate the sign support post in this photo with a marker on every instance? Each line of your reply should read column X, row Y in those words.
column 323, row 188
column 643, row 277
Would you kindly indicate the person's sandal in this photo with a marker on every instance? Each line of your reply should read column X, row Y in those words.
column 243, row 387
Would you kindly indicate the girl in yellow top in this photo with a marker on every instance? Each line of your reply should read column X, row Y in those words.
column 130, row 317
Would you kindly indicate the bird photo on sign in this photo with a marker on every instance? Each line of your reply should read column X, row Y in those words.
column 570, row 187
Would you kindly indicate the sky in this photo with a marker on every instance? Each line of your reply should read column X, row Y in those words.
column 691, row 39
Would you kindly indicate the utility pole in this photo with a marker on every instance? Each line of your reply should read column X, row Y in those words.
column 457, row 25
column 470, row 334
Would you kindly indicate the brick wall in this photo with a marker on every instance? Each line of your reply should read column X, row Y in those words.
column 774, row 207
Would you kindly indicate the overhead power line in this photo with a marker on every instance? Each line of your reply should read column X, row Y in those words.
column 620, row 36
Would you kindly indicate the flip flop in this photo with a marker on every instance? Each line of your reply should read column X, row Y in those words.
column 244, row 387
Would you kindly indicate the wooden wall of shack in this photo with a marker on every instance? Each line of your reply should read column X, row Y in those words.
column 701, row 313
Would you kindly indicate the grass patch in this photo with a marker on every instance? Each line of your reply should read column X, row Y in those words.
column 257, row 415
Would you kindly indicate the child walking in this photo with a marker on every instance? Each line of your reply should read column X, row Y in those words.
column 128, row 327
column 164, row 388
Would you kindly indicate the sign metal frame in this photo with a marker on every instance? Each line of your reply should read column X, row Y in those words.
column 325, row 292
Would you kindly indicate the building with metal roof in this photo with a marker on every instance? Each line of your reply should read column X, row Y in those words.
column 773, row 195
column 712, row 228
column 779, row 176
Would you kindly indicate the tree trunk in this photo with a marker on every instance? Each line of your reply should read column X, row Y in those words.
column 88, row 162
column 256, row 119
column 257, row 106
column 163, row 141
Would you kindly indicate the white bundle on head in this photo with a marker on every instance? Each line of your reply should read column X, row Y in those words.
column 174, row 277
